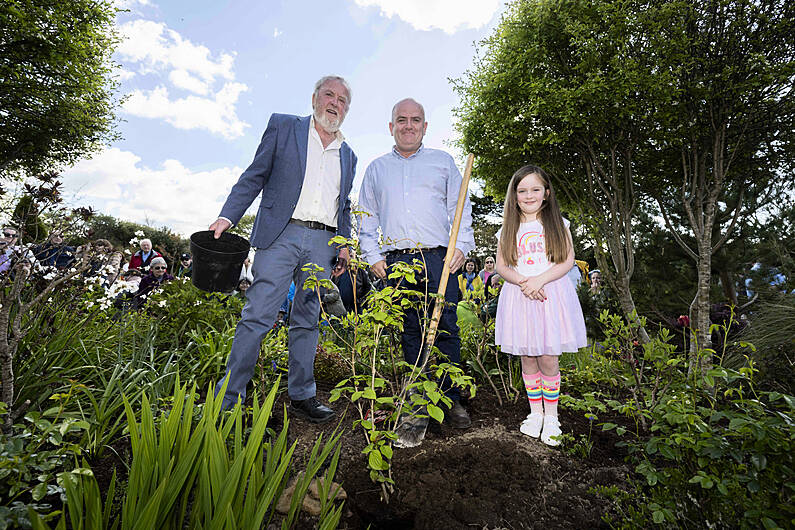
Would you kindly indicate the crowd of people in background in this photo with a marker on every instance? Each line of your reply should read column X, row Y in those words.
column 94, row 260
column 147, row 269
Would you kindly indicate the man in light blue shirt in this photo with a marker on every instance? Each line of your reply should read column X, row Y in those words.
column 411, row 193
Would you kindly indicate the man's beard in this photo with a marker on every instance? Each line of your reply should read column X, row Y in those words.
column 328, row 125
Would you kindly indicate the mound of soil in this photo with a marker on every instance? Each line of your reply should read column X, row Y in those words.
column 486, row 477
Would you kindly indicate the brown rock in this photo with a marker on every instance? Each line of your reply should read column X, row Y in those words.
column 311, row 505
column 336, row 492
column 283, row 504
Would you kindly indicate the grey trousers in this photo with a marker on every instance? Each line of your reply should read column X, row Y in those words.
column 274, row 268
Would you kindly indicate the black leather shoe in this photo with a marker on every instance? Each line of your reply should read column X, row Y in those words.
column 312, row 410
column 457, row 416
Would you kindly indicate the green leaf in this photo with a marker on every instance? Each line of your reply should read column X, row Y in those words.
column 658, row 517
column 369, row 393
column 435, row 412
column 769, row 523
column 375, row 460
column 39, row 492
column 759, row 461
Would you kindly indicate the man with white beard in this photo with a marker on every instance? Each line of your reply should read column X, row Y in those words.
column 304, row 170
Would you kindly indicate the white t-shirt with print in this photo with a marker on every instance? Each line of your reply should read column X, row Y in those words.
column 531, row 249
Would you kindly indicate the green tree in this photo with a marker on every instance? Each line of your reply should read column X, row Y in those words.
column 26, row 219
column 56, row 84
column 682, row 102
column 486, row 220
column 120, row 233
column 244, row 227
column 568, row 85
column 726, row 138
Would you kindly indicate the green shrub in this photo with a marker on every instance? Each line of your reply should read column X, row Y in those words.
column 715, row 450
column 39, row 447
column 179, row 307
column 729, row 464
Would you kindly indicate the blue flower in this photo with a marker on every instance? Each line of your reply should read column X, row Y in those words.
column 274, row 366
column 590, row 416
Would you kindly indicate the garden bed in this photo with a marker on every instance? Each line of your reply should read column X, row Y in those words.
column 487, row 476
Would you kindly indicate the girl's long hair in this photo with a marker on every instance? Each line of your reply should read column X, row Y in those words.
column 555, row 239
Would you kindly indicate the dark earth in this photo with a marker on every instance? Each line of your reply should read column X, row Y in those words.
column 489, row 476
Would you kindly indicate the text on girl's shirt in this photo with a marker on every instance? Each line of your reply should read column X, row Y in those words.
column 530, row 248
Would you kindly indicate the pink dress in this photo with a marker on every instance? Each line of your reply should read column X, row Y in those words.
column 531, row 327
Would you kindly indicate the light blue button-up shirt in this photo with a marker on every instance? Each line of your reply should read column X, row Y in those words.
column 412, row 200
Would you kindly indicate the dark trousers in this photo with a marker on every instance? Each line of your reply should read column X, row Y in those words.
column 447, row 339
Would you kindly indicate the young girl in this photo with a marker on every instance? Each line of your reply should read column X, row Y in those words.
column 538, row 315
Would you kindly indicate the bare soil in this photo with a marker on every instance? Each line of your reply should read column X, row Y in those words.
column 489, row 476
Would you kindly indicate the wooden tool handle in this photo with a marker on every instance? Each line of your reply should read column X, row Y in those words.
column 459, row 210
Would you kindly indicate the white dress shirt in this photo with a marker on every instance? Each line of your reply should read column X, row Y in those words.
column 320, row 194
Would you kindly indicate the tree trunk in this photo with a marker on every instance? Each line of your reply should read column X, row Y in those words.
column 729, row 290
column 700, row 318
column 619, row 282
column 9, row 341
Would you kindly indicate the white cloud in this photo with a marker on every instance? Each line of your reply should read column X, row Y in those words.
column 276, row 33
column 183, row 79
column 157, row 47
column 116, row 183
column 448, row 15
column 216, row 114
column 125, row 75
column 154, row 48
column 127, row 4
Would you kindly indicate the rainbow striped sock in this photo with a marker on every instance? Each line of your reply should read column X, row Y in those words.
column 532, row 383
column 550, row 387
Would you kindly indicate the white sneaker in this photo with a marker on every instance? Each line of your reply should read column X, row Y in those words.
column 531, row 426
column 551, row 431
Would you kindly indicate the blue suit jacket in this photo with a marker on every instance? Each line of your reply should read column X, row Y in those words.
column 278, row 172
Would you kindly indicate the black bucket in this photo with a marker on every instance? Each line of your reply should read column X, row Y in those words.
column 217, row 262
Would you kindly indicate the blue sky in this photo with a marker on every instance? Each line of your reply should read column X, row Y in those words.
column 201, row 78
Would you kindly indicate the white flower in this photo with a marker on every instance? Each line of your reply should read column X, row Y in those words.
column 162, row 303
column 127, row 251
column 139, row 233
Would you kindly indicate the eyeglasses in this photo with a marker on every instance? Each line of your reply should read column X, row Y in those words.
column 158, row 268
column 9, row 234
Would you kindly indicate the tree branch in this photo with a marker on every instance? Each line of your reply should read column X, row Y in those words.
column 678, row 239
column 735, row 217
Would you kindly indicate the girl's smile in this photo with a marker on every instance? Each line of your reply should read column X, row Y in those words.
column 530, row 195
